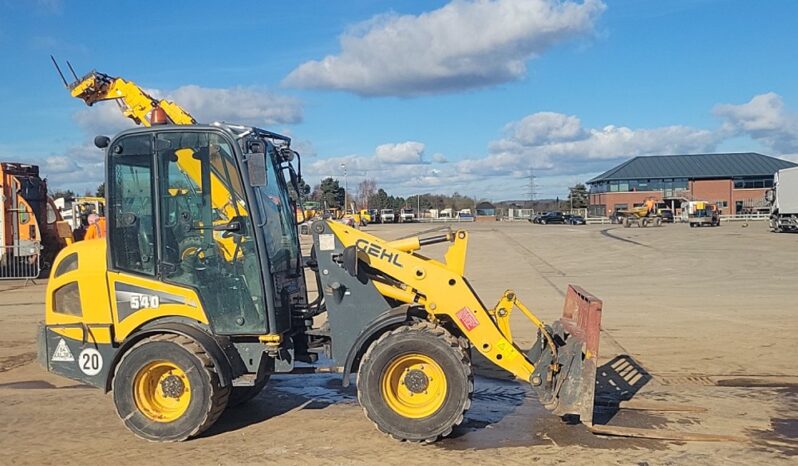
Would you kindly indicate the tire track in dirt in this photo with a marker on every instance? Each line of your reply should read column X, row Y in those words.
column 538, row 263
column 12, row 362
column 606, row 232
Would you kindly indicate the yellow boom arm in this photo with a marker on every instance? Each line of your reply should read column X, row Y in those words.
column 133, row 101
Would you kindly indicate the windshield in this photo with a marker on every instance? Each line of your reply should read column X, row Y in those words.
column 282, row 242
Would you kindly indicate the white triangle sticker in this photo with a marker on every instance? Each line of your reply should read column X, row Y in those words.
column 62, row 353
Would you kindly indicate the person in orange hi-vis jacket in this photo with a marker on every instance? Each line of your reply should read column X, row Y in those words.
column 96, row 228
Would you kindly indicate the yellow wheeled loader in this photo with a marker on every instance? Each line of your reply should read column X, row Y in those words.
column 178, row 326
column 642, row 216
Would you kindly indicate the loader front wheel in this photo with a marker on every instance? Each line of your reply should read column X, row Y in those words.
column 166, row 388
column 415, row 382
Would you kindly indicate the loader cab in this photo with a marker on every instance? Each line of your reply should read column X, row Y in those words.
column 204, row 208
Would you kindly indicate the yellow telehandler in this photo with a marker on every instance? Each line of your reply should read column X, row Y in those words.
column 179, row 326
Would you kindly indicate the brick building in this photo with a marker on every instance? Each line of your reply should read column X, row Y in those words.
column 735, row 182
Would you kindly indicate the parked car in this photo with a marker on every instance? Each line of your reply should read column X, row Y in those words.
column 551, row 217
column 536, row 218
column 575, row 220
column 667, row 215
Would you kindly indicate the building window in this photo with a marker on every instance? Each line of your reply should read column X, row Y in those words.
column 753, row 183
column 621, row 206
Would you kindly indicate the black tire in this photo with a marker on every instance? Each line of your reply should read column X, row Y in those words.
column 208, row 398
column 449, row 353
column 241, row 395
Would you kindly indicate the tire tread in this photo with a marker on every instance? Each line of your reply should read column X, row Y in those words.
column 457, row 345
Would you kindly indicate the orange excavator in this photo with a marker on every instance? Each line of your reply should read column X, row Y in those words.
column 31, row 229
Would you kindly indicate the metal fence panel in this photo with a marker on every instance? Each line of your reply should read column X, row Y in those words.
column 20, row 261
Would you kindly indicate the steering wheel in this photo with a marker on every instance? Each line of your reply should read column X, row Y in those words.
column 193, row 254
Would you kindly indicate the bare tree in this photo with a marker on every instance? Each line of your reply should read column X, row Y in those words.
column 365, row 189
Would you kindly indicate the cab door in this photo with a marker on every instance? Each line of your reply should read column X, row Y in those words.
column 206, row 232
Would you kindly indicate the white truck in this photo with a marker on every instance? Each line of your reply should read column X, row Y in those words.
column 387, row 216
column 407, row 216
column 783, row 199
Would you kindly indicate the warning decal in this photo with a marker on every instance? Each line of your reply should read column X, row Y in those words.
column 62, row 353
column 326, row 242
column 468, row 319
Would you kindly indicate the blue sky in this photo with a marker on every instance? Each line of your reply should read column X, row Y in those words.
column 422, row 96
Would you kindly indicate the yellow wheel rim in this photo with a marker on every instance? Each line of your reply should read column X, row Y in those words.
column 413, row 385
column 162, row 391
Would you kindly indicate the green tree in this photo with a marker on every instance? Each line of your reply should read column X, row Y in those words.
column 380, row 200
column 100, row 190
column 65, row 193
column 578, row 196
column 331, row 193
column 292, row 192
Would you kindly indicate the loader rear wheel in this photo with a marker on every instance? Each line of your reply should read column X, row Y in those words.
column 166, row 388
column 415, row 382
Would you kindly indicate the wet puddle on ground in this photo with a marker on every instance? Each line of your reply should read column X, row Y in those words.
column 783, row 436
column 504, row 413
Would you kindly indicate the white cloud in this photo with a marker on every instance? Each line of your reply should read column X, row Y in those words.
column 102, row 118
column 79, row 168
column 393, row 164
column 558, row 144
column 409, row 152
column 439, row 158
column 464, row 45
column 765, row 119
column 246, row 105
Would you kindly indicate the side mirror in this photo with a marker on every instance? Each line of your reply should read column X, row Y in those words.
column 286, row 154
column 256, row 167
column 101, row 142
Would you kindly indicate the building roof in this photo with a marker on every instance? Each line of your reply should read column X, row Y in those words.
column 485, row 205
column 695, row 166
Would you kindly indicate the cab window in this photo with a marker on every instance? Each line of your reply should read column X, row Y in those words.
column 131, row 220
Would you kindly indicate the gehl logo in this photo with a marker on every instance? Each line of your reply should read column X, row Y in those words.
column 375, row 250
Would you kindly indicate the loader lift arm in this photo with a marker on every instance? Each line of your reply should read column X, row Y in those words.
column 561, row 366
